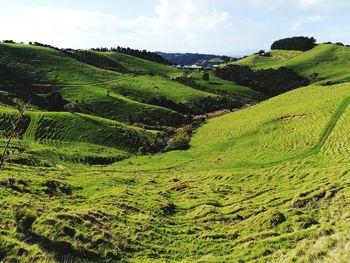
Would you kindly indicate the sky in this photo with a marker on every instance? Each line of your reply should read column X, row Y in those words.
column 226, row 27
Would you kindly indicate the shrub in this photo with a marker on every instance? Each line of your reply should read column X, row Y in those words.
column 24, row 220
column 179, row 142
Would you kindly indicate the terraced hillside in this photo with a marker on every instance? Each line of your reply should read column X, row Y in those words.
column 329, row 61
column 265, row 184
column 52, row 137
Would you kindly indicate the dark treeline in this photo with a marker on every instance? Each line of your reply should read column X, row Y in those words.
column 95, row 60
column 295, row 43
column 269, row 81
column 144, row 54
column 190, row 58
column 199, row 106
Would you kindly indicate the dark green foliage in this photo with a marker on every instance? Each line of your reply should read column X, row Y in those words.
column 179, row 142
column 206, row 76
column 95, row 60
column 164, row 102
column 276, row 218
column 20, row 80
column 55, row 101
column 268, row 81
column 144, row 54
column 190, row 58
column 295, row 43
column 54, row 187
column 24, row 220
column 210, row 104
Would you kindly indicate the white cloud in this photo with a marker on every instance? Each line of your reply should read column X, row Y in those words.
column 182, row 21
column 300, row 22
column 324, row 5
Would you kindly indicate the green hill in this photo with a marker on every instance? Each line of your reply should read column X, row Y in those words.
column 329, row 61
column 270, row 183
column 97, row 91
column 141, row 66
column 68, row 137
column 266, row 183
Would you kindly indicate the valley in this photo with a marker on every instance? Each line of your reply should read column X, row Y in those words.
column 109, row 175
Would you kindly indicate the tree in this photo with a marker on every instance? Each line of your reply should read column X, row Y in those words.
column 11, row 133
column 295, row 43
column 206, row 76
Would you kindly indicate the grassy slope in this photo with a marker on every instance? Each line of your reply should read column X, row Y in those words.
column 54, row 136
column 268, row 183
column 141, row 66
column 216, row 84
column 86, row 83
column 329, row 61
column 264, row 184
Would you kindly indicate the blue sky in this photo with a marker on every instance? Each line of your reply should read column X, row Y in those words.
column 230, row 27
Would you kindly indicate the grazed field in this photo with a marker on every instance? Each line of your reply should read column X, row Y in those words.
column 268, row 183
column 330, row 62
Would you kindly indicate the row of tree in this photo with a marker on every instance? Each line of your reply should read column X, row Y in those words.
column 95, row 60
column 295, row 43
column 269, row 81
column 144, row 54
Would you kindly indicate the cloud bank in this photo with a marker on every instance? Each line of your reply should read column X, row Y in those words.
column 210, row 26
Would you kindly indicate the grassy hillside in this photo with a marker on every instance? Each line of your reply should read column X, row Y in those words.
column 141, row 66
column 217, row 85
column 329, row 61
column 50, row 137
column 265, row 184
column 97, row 91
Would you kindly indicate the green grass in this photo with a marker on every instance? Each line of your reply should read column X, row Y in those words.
column 245, row 190
column 79, row 82
column 146, row 87
column 268, row 183
column 94, row 100
column 217, row 85
column 141, row 66
column 328, row 60
column 68, row 137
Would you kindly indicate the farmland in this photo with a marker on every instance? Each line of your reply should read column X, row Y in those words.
column 266, row 183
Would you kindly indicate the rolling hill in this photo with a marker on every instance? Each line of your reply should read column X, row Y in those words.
column 266, row 183
column 329, row 61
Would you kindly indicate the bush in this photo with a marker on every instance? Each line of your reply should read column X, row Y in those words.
column 179, row 142
column 24, row 220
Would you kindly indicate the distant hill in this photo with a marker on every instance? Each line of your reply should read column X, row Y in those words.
column 324, row 64
column 193, row 58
